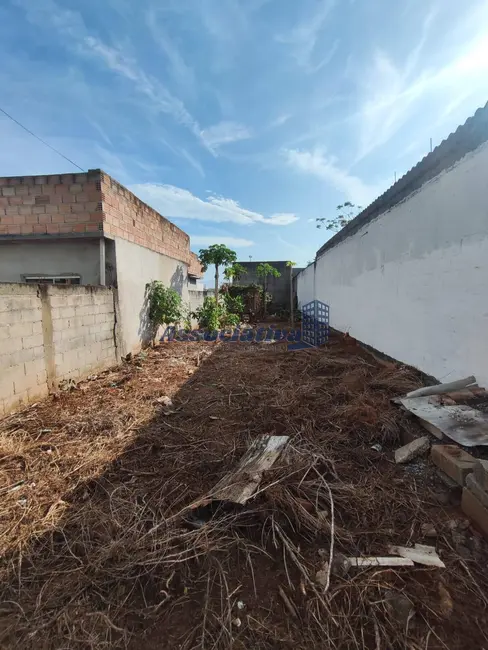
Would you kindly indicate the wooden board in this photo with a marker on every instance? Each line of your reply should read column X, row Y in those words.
column 239, row 485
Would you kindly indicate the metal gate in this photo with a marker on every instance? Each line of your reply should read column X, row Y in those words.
column 315, row 323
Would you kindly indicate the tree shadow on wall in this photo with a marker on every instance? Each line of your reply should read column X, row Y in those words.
column 147, row 331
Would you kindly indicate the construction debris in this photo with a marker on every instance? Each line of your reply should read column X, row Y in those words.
column 421, row 554
column 428, row 530
column 412, row 450
column 453, row 461
column 376, row 561
column 464, row 424
column 440, row 389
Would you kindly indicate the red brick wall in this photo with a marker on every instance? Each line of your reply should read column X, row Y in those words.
column 58, row 204
column 88, row 203
column 195, row 268
column 128, row 217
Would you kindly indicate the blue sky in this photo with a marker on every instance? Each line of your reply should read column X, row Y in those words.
column 240, row 120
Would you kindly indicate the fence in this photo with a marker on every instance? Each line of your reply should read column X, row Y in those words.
column 52, row 333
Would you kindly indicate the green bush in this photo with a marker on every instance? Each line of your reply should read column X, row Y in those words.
column 212, row 317
column 233, row 304
column 164, row 304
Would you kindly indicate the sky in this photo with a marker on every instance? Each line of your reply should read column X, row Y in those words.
column 242, row 121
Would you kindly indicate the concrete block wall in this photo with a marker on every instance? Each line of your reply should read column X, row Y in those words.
column 82, row 330
column 52, row 333
column 51, row 205
column 23, row 376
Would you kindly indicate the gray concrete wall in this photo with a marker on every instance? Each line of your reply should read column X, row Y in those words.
column 59, row 257
column 279, row 288
column 51, row 333
column 136, row 266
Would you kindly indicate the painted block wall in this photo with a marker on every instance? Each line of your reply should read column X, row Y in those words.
column 61, row 257
column 52, row 333
column 136, row 266
column 413, row 283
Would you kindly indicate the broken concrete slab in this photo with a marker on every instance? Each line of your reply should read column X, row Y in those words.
column 475, row 510
column 453, row 461
column 474, row 487
column 412, row 450
column 465, row 425
column 481, row 473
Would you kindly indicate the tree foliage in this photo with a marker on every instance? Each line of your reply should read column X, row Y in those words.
column 347, row 211
column 218, row 255
column 264, row 271
column 234, row 272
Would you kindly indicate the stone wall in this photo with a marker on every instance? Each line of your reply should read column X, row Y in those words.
column 49, row 334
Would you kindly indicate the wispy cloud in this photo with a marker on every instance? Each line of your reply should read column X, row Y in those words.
column 393, row 94
column 193, row 162
column 316, row 163
column 232, row 242
column 224, row 133
column 182, row 73
column 303, row 39
column 175, row 202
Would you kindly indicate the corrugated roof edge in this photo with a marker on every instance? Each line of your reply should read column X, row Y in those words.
column 467, row 137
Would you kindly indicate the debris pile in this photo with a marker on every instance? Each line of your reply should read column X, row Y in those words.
column 230, row 496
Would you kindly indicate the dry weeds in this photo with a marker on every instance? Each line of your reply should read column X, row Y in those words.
column 96, row 548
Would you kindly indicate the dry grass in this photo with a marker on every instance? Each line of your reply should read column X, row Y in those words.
column 97, row 552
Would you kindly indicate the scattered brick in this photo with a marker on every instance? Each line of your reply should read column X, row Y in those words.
column 481, row 473
column 474, row 487
column 453, row 461
column 414, row 449
column 474, row 509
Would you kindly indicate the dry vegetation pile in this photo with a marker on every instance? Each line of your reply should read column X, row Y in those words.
column 100, row 548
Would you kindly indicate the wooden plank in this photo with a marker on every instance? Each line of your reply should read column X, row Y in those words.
column 421, row 554
column 240, row 484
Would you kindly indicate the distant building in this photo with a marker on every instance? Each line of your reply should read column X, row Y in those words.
column 279, row 288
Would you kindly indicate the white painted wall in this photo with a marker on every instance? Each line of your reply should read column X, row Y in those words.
column 136, row 266
column 306, row 285
column 414, row 282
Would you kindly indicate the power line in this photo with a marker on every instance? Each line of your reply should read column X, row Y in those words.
column 40, row 139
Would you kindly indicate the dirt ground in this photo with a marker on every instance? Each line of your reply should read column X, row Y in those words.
column 98, row 549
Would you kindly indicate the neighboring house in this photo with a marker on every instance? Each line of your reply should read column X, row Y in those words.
column 89, row 229
column 279, row 288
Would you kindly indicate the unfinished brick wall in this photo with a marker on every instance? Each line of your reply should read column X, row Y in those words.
column 52, row 333
column 195, row 268
column 128, row 217
column 57, row 204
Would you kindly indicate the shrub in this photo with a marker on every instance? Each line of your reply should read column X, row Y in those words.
column 164, row 304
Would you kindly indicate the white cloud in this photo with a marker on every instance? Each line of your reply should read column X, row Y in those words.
column 316, row 163
column 193, row 162
column 224, row 133
column 391, row 95
column 232, row 242
column 304, row 38
column 176, row 202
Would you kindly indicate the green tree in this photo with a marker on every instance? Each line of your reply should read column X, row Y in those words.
column 290, row 265
column 347, row 211
column 263, row 271
column 234, row 272
column 218, row 255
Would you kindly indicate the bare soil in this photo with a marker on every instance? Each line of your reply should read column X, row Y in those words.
column 96, row 485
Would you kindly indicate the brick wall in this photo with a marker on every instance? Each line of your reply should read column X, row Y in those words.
column 49, row 334
column 195, row 268
column 88, row 203
column 128, row 217
column 52, row 205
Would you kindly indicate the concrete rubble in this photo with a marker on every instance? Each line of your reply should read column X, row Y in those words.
column 414, row 449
